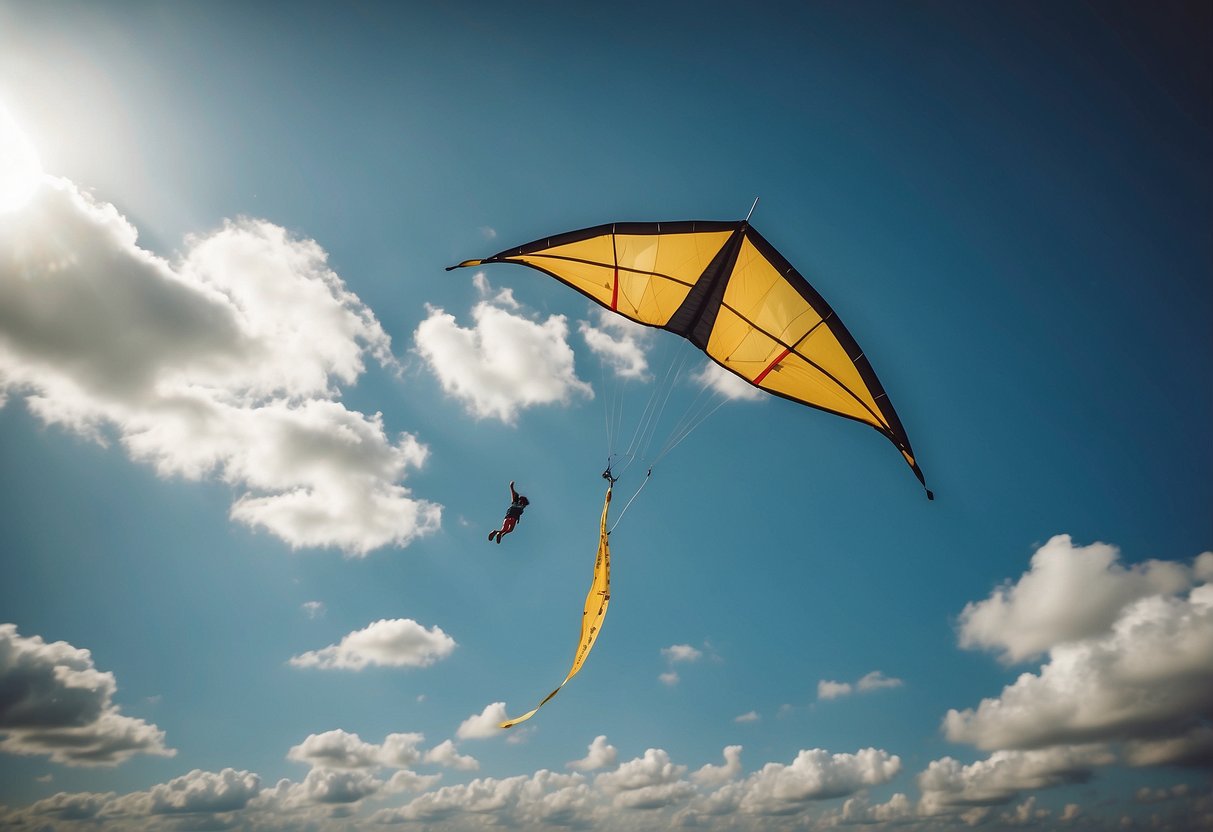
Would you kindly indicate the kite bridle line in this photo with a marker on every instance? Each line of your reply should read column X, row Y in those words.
column 647, row 477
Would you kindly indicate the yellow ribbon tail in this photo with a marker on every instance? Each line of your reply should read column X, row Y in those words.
column 593, row 614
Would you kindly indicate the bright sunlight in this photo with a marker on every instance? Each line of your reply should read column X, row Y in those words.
column 20, row 168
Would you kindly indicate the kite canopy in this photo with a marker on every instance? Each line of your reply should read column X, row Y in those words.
column 725, row 289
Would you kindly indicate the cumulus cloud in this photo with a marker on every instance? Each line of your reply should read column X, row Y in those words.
column 1069, row 593
column 205, row 791
column 526, row 802
column 619, row 344
column 196, row 794
column 342, row 750
column 313, row 609
column 445, row 755
column 778, row 790
column 948, row 786
column 1128, row 677
column 815, row 774
column 66, row 807
column 601, row 755
column 1148, row 677
column 670, row 678
column 711, row 775
column 503, row 364
column 344, row 766
column 484, row 724
column 749, row 716
column 334, row 786
column 859, row 810
column 722, row 382
column 225, row 363
column 647, row 782
column 55, row 702
column 501, row 297
column 397, row 642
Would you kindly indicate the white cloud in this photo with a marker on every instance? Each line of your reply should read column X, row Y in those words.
column 828, row 689
column 313, row 609
column 445, row 755
column 502, row 297
column 669, row 678
column 1149, row 677
column 55, row 702
column 877, row 681
column 815, row 774
column 503, row 364
column 401, row 750
column 205, row 791
column 526, row 802
column 1069, row 593
column 196, row 793
column 948, row 786
column 68, row 807
column 601, row 755
column 341, row 750
column 1194, row 748
column 681, row 653
column 343, row 767
column 727, row 384
column 398, row 642
column 712, row 776
column 484, row 724
column 647, row 782
column 335, row 786
column 749, row 716
column 225, row 363
column 858, row 810
column 619, row 343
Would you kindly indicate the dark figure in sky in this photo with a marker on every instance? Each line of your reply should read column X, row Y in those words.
column 512, row 514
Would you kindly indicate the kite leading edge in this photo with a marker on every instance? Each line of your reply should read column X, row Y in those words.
column 725, row 289
column 592, row 615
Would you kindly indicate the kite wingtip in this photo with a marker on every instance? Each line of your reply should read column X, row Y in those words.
column 930, row 494
column 464, row 264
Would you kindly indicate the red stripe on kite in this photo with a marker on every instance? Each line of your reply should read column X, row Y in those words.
column 771, row 366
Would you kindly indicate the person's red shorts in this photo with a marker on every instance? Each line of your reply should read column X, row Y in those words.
column 508, row 525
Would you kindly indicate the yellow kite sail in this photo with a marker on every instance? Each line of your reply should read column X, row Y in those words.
column 592, row 616
column 724, row 288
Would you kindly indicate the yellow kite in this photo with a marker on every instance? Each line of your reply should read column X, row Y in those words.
column 725, row 289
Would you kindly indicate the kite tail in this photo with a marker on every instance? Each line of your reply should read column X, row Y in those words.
column 592, row 615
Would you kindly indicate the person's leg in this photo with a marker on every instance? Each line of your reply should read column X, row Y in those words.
column 507, row 527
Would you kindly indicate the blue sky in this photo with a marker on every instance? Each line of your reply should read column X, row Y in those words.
column 254, row 435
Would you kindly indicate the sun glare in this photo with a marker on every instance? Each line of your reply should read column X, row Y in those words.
column 20, row 168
